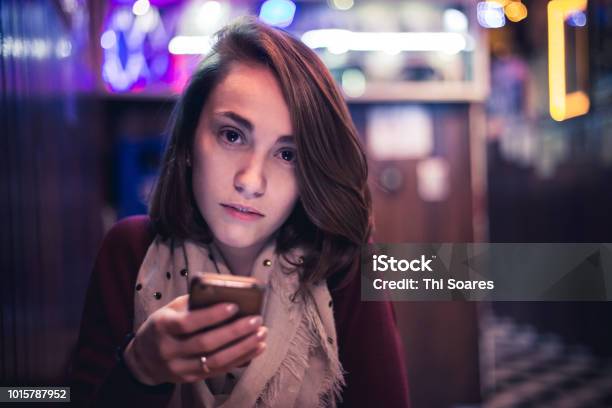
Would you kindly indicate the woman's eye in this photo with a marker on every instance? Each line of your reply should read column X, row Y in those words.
column 287, row 155
column 230, row 136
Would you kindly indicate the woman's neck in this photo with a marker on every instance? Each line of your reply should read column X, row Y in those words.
column 240, row 260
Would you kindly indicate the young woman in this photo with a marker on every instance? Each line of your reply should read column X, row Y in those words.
column 264, row 176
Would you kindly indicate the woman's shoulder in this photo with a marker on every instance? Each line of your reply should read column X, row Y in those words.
column 127, row 241
column 345, row 293
column 134, row 232
column 136, row 228
column 350, row 310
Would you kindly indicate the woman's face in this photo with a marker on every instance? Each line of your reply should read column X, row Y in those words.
column 244, row 158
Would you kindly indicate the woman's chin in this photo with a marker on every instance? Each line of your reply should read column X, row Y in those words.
column 236, row 239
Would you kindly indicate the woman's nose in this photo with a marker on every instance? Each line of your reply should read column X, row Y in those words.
column 250, row 180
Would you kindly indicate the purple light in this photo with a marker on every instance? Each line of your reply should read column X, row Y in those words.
column 134, row 49
column 156, row 3
column 108, row 39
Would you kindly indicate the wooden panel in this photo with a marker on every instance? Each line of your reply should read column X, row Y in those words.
column 440, row 338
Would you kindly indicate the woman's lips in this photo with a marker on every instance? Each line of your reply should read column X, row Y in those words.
column 241, row 215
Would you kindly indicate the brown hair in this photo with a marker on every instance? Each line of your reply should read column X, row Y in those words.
column 331, row 219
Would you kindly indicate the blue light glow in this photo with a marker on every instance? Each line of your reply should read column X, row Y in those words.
column 577, row 19
column 491, row 14
column 278, row 13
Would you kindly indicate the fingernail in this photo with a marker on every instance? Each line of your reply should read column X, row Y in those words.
column 231, row 308
column 255, row 321
column 261, row 333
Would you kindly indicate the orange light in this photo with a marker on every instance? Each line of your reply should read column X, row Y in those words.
column 516, row 11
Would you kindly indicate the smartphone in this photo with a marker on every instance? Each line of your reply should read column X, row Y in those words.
column 208, row 289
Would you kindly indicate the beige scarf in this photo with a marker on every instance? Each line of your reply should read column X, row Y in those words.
column 300, row 366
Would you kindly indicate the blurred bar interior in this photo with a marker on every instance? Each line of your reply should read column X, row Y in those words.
column 483, row 121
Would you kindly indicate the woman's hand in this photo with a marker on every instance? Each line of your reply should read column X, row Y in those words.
column 169, row 345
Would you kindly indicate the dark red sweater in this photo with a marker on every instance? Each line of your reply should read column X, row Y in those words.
column 368, row 341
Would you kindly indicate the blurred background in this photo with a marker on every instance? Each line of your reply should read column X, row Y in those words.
column 483, row 121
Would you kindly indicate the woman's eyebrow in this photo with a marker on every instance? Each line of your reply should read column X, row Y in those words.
column 286, row 139
column 244, row 122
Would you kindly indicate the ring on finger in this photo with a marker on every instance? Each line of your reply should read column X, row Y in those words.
column 204, row 364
